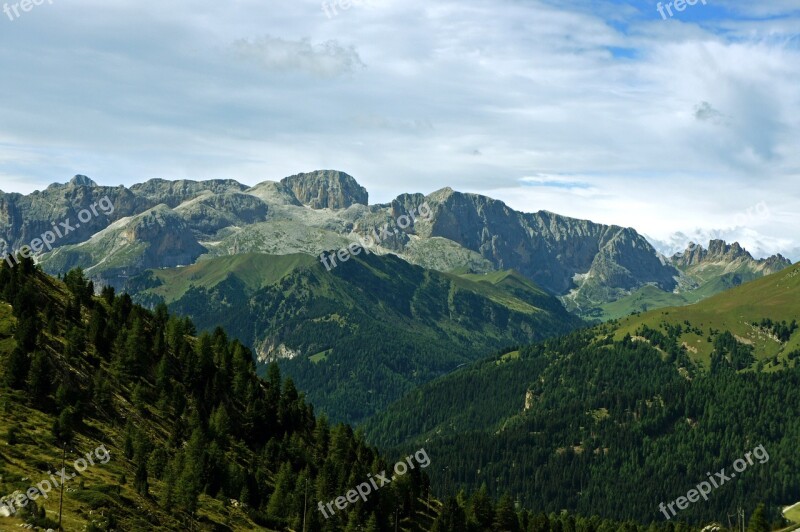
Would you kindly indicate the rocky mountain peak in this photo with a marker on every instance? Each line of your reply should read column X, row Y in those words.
column 326, row 189
column 720, row 251
column 82, row 181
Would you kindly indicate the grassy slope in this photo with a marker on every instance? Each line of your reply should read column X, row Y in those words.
column 258, row 270
column 255, row 270
column 793, row 514
column 650, row 297
column 776, row 297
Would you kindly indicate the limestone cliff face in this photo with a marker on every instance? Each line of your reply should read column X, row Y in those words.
column 210, row 212
column 23, row 218
column 274, row 193
column 156, row 238
column 693, row 255
column 168, row 239
column 326, row 189
column 559, row 253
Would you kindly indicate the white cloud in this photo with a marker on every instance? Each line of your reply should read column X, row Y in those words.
column 328, row 59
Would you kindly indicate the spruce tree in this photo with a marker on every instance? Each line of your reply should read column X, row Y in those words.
column 758, row 521
column 506, row 517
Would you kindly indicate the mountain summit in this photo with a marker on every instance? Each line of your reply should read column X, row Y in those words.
column 327, row 189
column 82, row 181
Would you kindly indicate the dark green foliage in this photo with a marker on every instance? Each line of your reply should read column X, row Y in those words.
column 782, row 331
column 668, row 342
column 12, row 435
column 232, row 434
column 506, row 517
column 16, row 370
column 758, row 521
column 65, row 425
column 728, row 352
column 40, row 379
column 140, row 481
column 605, row 427
column 451, row 518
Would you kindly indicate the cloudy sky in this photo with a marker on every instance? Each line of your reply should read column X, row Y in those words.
column 685, row 128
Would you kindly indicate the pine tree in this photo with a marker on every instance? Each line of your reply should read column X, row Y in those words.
column 758, row 521
column 281, row 499
column 39, row 379
column 372, row 524
column 17, row 368
column 140, row 481
column 76, row 344
column 220, row 424
column 127, row 442
column 157, row 463
column 192, row 477
column 135, row 354
column 481, row 510
column 107, row 293
column 102, row 395
column 64, row 425
column 506, row 517
column 172, row 472
column 97, row 332
column 451, row 519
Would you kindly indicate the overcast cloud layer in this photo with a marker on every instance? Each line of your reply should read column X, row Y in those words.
column 598, row 110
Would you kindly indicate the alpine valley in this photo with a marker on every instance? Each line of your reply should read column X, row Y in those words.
column 561, row 374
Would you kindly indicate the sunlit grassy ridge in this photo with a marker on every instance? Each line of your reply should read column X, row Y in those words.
column 776, row 297
column 255, row 270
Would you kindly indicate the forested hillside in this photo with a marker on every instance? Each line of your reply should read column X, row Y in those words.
column 196, row 440
column 617, row 422
column 359, row 336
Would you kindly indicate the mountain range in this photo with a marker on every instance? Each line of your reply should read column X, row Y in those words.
column 161, row 224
